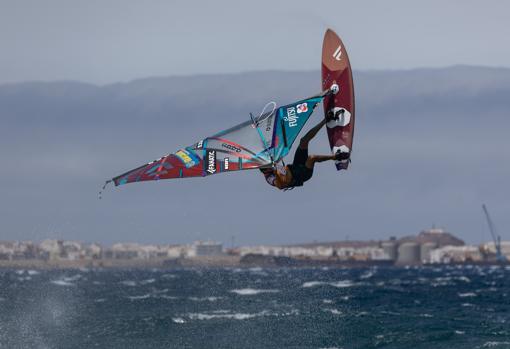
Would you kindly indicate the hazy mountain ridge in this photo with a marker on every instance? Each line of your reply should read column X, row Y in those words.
column 167, row 97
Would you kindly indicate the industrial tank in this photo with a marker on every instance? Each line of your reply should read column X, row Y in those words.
column 425, row 250
column 391, row 249
column 409, row 253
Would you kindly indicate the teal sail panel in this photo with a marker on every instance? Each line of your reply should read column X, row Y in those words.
column 289, row 121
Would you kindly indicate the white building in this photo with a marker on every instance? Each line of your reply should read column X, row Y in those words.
column 452, row 254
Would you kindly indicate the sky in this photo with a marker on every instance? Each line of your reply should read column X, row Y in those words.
column 102, row 42
column 105, row 42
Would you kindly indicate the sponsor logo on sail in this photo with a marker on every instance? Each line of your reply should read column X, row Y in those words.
column 231, row 147
column 200, row 144
column 302, row 108
column 226, row 163
column 188, row 158
column 211, row 161
column 291, row 117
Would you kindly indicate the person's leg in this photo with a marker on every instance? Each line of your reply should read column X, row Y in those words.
column 312, row 159
column 303, row 143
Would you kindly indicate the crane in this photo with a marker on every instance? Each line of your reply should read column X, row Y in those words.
column 495, row 237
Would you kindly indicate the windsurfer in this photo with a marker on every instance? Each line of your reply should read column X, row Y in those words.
column 301, row 169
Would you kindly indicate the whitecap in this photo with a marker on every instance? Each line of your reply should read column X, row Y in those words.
column 33, row 272
column 313, row 284
column 62, row 283
column 493, row 344
column 178, row 320
column 134, row 298
column 99, row 300
column 459, row 332
column 342, row 284
column 338, row 284
column 333, row 311
column 234, row 316
column 467, row 294
column 251, row 291
column 464, row 278
column 467, row 305
column 367, row 275
column 327, row 301
column 148, row 281
column 72, row 278
column 204, row 299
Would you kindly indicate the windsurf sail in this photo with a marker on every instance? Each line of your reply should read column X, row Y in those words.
column 259, row 142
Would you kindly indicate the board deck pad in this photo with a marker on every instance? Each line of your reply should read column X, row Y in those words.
column 336, row 69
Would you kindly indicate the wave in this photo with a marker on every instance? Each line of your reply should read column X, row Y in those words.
column 156, row 291
column 367, row 275
column 233, row 316
column 205, row 299
column 62, row 283
column 75, row 277
column 252, row 291
column 493, row 344
column 178, row 320
column 135, row 298
column 148, row 281
column 130, row 283
column 333, row 311
column 228, row 315
column 338, row 284
column 467, row 294
column 164, row 296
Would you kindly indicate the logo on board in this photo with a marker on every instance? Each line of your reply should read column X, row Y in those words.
column 337, row 55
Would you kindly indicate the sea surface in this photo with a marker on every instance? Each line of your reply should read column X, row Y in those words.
column 426, row 307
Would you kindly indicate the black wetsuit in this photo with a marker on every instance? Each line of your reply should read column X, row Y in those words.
column 300, row 173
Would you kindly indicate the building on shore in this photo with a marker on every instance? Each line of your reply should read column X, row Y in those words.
column 208, row 248
column 456, row 254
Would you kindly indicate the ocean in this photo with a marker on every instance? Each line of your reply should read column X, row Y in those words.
column 417, row 307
